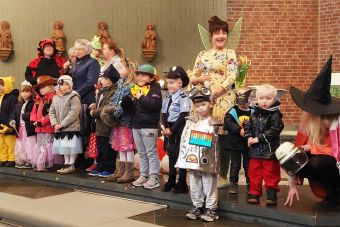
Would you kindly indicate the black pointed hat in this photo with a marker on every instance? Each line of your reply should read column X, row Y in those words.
column 317, row 99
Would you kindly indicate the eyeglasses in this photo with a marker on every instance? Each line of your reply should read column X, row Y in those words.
column 204, row 91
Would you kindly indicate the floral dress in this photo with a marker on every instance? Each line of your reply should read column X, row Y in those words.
column 221, row 65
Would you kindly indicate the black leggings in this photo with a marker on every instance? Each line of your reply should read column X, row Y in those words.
column 323, row 169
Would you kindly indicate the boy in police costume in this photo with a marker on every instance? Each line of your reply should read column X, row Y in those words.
column 174, row 110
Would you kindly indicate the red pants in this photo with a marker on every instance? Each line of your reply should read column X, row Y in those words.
column 263, row 169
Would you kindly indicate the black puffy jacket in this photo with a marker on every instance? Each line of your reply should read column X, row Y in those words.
column 30, row 128
column 266, row 125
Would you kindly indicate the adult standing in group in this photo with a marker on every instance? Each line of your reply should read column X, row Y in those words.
column 216, row 68
column 85, row 76
column 48, row 62
column 113, row 56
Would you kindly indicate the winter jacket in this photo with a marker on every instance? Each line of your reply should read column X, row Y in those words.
column 148, row 108
column 44, row 66
column 85, row 76
column 232, row 125
column 40, row 114
column 266, row 125
column 103, row 129
column 17, row 114
column 65, row 110
column 8, row 101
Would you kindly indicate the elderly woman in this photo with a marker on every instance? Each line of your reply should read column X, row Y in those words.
column 85, row 76
column 69, row 65
column 217, row 68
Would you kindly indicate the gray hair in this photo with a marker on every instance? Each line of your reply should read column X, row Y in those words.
column 71, row 50
column 84, row 43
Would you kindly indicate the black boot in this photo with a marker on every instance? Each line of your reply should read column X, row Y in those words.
column 168, row 186
column 10, row 164
column 271, row 197
column 181, row 187
column 3, row 164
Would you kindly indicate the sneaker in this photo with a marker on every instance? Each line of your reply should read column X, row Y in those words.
column 222, row 182
column 140, row 181
column 104, row 174
column 271, row 197
column 19, row 166
column 253, row 199
column 27, row 165
column 94, row 173
column 91, row 168
column 233, row 188
column 152, row 183
column 10, row 164
column 195, row 213
column 209, row 216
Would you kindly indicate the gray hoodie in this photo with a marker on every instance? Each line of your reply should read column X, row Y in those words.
column 65, row 110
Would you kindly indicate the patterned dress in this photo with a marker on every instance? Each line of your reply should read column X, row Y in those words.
column 221, row 65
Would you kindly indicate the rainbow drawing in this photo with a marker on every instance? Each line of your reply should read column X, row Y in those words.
column 202, row 139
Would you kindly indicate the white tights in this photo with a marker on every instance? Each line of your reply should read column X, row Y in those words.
column 127, row 156
column 70, row 159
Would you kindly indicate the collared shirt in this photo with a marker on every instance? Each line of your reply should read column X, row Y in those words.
column 179, row 103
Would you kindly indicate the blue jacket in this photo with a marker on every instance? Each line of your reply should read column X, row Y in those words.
column 85, row 76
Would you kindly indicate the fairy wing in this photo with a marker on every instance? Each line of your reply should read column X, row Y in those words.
column 205, row 37
column 233, row 36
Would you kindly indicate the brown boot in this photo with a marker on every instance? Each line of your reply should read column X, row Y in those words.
column 128, row 176
column 118, row 173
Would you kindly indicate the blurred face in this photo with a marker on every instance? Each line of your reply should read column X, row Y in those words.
column 265, row 100
column 203, row 108
column 1, row 89
column 48, row 50
column 45, row 90
column 219, row 39
column 65, row 87
column 173, row 85
column 105, row 82
column 107, row 53
column 143, row 79
column 25, row 95
column 80, row 51
column 72, row 56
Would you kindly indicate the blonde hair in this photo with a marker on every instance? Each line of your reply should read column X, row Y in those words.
column 85, row 44
column 316, row 127
column 132, row 66
column 266, row 89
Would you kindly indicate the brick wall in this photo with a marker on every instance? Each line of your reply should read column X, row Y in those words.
column 329, row 41
column 281, row 38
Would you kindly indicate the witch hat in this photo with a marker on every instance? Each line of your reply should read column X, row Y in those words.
column 317, row 99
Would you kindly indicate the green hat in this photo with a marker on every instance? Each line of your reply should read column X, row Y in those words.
column 95, row 43
column 149, row 70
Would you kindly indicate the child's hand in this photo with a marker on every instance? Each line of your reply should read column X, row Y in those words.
column 242, row 132
column 57, row 127
column 255, row 140
column 306, row 147
column 250, row 141
column 166, row 132
column 92, row 107
column 139, row 94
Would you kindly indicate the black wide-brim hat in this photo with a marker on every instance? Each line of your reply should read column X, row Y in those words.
column 317, row 99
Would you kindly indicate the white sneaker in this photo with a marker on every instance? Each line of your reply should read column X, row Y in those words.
column 140, row 181
column 152, row 183
column 209, row 216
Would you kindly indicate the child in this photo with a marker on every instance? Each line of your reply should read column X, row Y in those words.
column 234, row 122
column 122, row 139
column 106, row 160
column 263, row 136
column 20, row 120
column 201, row 157
column 65, row 118
column 8, row 101
column 148, row 104
column 43, row 158
column 175, row 108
